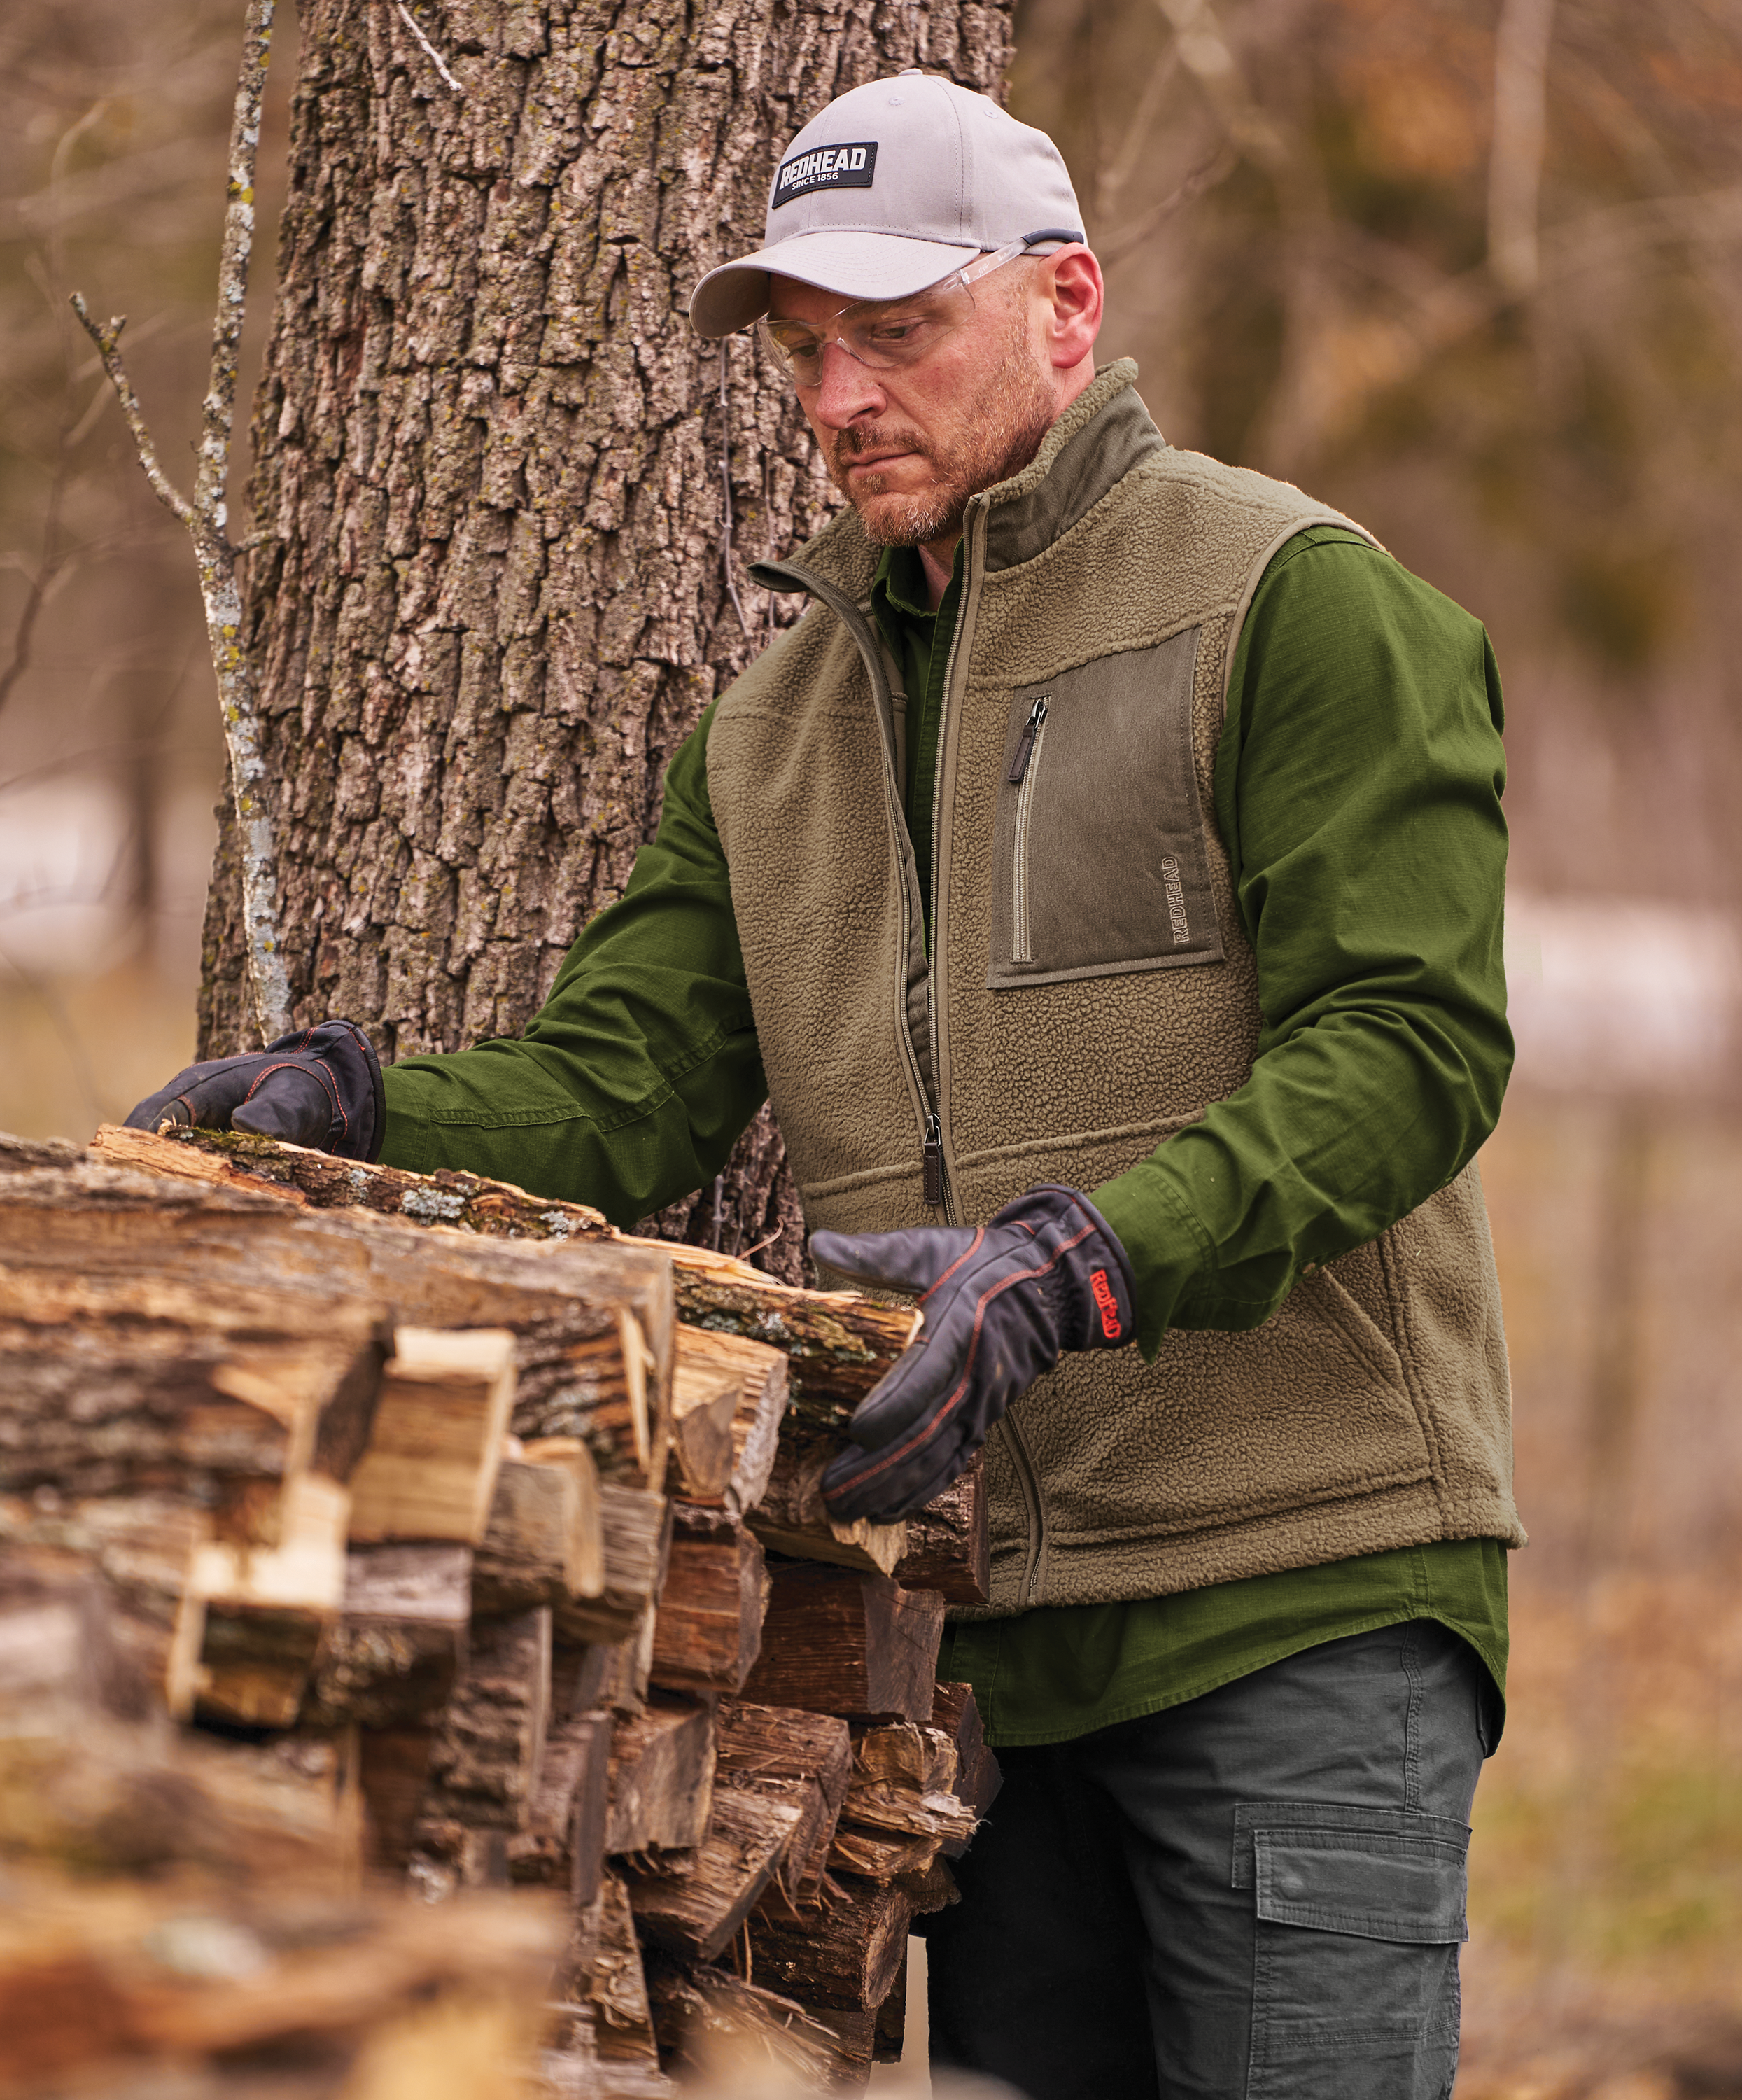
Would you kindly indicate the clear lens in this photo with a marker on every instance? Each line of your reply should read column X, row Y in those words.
column 883, row 338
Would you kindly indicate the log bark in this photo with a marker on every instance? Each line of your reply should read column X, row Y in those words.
column 151, row 1383
column 146, row 1549
column 585, row 1316
column 400, row 1641
column 949, row 1543
column 791, row 1517
column 837, row 1343
column 563, row 1844
column 708, row 1631
column 484, row 1765
column 841, row 1640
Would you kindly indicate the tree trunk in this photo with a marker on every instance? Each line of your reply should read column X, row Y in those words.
column 492, row 585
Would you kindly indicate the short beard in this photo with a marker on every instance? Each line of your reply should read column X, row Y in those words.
column 1014, row 413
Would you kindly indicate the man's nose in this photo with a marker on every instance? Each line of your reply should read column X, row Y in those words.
column 847, row 389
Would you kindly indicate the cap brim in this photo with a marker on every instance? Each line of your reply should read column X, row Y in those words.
column 857, row 266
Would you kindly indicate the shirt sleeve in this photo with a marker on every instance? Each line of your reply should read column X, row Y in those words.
column 634, row 1080
column 1358, row 786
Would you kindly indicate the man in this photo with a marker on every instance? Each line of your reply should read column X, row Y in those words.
column 1105, row 879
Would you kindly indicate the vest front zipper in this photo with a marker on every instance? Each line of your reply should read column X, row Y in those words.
column 786, row 576
column 1025, row 769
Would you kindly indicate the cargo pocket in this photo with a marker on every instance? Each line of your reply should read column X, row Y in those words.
column 1359, row 1915
column 1099, row 848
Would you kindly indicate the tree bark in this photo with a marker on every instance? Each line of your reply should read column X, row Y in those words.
column 488, row 593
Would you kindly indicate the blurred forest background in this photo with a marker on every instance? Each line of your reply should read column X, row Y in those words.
column 1472, row 269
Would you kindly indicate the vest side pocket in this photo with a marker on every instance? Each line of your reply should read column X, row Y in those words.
column 1099, row 861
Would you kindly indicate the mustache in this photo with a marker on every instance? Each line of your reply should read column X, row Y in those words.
column 858, row 438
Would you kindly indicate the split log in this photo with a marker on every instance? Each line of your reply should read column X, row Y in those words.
column 268, row 1608
column 762, row 1745
column 703, row 1404
column 567, row 1303
column 62, row 1668
column 900, row 1807
column 707, row 1631
column 629, row 1677
column 578, row 1672
column 693, row 1902
column 662, row 1778
column 148, row 1384
column 429, row 1471
column 843, row 1640
column 392, row 1774
column 705, row 1356
column 706, row 2015
column 880, row 1856
column 838, row 1343
column 846, row 1953
column 889, row 2044
column 948, row 1541
column 637, row 1541
column 392, row 1660
column 563, row 1843
column 978, row 1777
column 97, row 1982
column 544, row 1541
column 484, row 1762
column 617, row 1991
column 791, row 1519
column 866, row 2036
column 146, row 1549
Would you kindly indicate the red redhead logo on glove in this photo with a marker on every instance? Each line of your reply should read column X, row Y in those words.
column 1108, row 1304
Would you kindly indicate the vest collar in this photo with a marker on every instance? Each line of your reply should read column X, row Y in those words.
column 1101, row 437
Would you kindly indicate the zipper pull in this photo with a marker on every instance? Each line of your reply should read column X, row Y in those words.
column 931, row 1162
column 1025, row 743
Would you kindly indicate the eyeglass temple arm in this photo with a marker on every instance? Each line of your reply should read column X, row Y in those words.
column 1050, row 233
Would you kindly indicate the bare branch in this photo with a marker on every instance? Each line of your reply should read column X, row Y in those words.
column 218, row 414
column 436, row 59
column 1200, row 178
column 1514, row 167
column 107, row 340
column 206, row 519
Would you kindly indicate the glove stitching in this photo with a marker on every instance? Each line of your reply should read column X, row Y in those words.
column 936, row 1418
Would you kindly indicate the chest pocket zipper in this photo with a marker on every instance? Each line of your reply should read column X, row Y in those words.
column 1024, row 769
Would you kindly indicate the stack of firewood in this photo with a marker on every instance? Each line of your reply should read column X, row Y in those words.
column 477, row 1548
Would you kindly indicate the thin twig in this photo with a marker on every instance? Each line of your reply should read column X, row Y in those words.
column 1213, row 171
column 206, row 519
column 1514, row 169
column 435, row 56
column 107, row 339
column 725, row 488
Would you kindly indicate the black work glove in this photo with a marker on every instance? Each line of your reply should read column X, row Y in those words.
column 1000, row 1305
column 319, row 1087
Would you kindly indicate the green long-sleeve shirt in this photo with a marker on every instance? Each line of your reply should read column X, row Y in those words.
column 1358, row 785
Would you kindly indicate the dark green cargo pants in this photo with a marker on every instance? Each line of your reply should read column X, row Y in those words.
column 1257, row 1896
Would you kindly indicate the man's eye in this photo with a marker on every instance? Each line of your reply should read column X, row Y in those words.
column 897, row 334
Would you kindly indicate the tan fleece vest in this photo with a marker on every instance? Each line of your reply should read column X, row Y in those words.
column 1092, row 992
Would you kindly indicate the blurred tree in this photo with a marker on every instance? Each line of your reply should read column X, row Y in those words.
column 503, row 499
column 1468, row 268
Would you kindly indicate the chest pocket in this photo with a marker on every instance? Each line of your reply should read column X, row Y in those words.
column 1099, row 844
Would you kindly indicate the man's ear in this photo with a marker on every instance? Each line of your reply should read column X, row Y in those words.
column 1072, row 285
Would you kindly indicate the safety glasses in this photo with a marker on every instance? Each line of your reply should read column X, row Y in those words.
column 886, row 335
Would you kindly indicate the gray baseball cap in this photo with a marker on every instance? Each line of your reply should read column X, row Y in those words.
column 892, row 187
